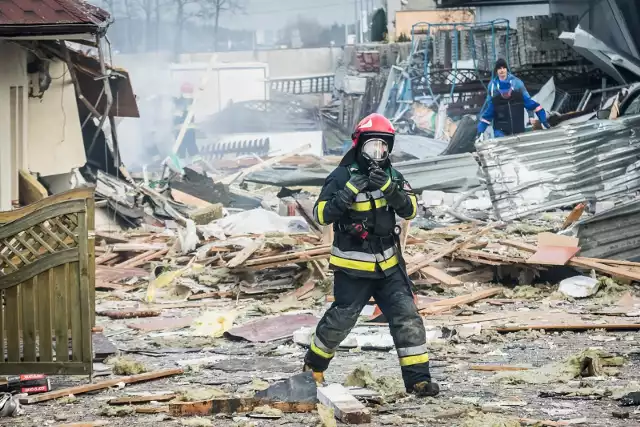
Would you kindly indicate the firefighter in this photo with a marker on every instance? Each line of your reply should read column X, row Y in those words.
column 188, row 148
column 361, row 199
column 508, row 99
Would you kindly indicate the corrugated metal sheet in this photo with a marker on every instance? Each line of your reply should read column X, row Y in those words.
column 612, row 234
column 539, row 171
column 458, row 172
column 49, row 12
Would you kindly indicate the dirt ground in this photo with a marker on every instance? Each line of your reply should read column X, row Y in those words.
column 469, row 398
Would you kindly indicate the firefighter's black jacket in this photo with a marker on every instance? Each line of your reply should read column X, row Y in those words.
column 376, row 255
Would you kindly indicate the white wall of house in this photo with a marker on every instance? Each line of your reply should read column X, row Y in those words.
column 55, row 138
column 13, row 127
column 39, row 135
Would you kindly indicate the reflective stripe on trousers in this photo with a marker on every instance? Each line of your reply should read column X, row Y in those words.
column 413, row 355
column 320, row 349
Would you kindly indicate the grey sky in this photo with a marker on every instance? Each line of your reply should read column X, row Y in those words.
column 273, row 14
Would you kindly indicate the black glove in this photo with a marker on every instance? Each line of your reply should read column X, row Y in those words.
column 358, row 183
column 379, row 179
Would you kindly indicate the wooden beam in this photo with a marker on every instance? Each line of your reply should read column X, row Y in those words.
column 133, row 314
column 130, row 400
column 232, row 405
column 451, row 249
column 345, row 407
column 571, row 327
column 580, row 262
column 29, row 188
column 497, row 368
column 44, row 397
column 245, row 253
column 143, row 258
column 440, row 276
column 447, row 304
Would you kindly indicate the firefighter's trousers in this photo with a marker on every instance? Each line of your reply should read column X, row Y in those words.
column 393, row 296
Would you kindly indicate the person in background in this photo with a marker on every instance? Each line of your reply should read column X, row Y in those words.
column 361, row 199
column 508, row 99
column 188, row 148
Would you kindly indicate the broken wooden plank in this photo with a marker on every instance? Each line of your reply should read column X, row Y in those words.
column 298, row 260
column 106, row 257
column 245, row 253
column 142, row 259
column 546, row 423
column 137, row 247
column 188, row 199
column 233, row 405
column 612, row 271
column 29, row 188
column 97, row 423
column 162, row 324
column 110, row 237
column 101, row 385
column 581, row 262
column 439, row 275
column 214, row 294
column 497, row 368
column 451, row 249
column 446, row 304
column 128, row 314
column 571, row 327
column 130, row 400
column 289, row 257
column 152, row 410
column 345, row 407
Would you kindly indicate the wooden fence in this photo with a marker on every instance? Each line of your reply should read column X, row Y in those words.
column 47, row 277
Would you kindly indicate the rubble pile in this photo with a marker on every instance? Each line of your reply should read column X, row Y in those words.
column 204, row 318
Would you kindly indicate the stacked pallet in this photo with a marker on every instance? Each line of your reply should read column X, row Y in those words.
column 538, row 41
column 487, row 51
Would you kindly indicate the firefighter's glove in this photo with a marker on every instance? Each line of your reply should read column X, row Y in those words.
column 358, row 183
column 379, row 179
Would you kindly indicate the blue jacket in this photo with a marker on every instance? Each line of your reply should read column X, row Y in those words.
column 516, row 85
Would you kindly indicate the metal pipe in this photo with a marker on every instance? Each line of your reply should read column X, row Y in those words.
column 107, row 91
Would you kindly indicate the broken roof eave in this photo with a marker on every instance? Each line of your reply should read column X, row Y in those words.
column 52, row 31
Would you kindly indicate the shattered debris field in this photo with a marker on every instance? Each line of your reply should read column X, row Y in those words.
column 215, row 336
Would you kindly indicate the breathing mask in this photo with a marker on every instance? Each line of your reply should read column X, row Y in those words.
column 377, row 149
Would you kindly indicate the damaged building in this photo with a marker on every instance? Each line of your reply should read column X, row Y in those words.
column 184, row 287
column 55, row 99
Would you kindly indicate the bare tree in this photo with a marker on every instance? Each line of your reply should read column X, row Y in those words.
column 213, row 9
column 183, row 14
column 148, row 8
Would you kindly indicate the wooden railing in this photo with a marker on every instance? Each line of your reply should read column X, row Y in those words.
column 47, row 277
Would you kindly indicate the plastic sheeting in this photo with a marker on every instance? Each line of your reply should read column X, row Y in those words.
column 260, row 221
column 539, row 171
column 454, row 173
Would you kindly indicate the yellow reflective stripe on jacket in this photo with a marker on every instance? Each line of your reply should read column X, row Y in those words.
column 351, row 187
column 363, row 265
column 317, row 350
column 414, row 206
column 386, row 185
column 366, row 206
column 414, row 360
column 320, row 212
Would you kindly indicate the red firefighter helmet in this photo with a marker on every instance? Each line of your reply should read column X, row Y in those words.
column 374, row 125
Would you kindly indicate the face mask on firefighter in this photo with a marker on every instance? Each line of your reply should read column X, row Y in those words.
column 376, row 148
